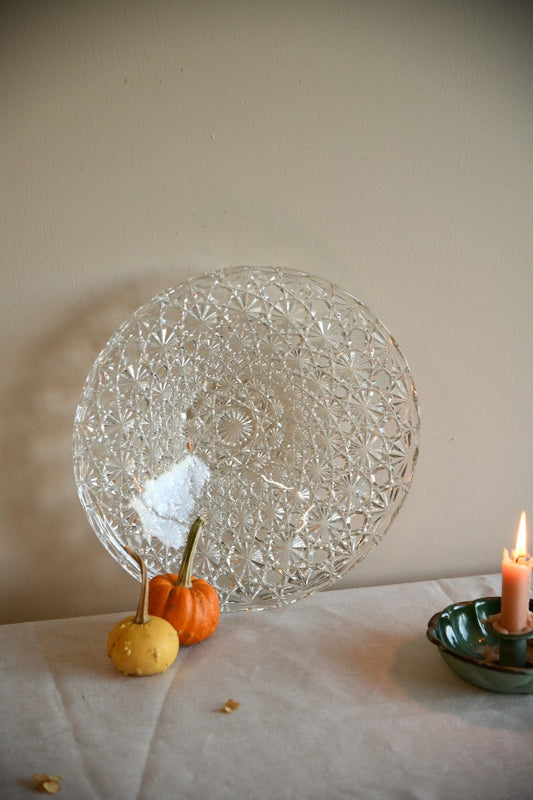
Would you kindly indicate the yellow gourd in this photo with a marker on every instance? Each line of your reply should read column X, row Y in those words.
column 141, row 644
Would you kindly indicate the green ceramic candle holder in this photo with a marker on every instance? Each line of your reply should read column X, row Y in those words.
column 471, row 647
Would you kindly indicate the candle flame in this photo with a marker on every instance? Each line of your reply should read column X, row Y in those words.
column 521, row 543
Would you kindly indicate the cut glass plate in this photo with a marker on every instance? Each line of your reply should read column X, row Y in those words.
column 270, row 402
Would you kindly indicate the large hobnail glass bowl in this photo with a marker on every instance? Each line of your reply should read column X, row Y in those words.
column 292, row 398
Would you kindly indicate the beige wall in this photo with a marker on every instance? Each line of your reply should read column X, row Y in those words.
column 384, row 145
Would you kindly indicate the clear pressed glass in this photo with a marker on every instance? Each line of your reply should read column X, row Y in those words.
column 285, row 403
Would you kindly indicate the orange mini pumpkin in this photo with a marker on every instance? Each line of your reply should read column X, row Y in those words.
column 190, row 604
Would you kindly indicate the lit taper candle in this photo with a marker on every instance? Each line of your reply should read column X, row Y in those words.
column 516, row 575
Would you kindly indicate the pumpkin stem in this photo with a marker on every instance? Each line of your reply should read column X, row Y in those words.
column 185, row 573
column 141, row 617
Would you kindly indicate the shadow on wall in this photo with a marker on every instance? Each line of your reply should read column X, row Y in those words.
column 52, row 563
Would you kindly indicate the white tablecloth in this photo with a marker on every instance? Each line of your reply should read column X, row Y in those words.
column 341, row 696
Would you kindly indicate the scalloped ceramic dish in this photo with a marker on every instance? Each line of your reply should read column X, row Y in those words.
column 286, row 403
column 470, row 650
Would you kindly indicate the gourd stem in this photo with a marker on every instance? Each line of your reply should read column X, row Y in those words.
column 141, row 617
column 185, row 573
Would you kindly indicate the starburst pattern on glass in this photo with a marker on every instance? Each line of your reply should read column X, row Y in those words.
column 296, row 398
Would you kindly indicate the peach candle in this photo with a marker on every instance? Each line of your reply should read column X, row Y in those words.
column 516, row 574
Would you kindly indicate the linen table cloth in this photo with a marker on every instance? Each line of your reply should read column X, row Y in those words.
column 341, row 696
